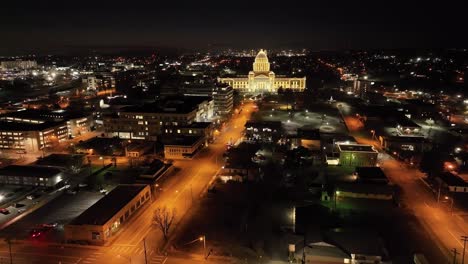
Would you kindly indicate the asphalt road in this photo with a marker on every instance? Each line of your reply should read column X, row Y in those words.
column 444, row 228
column 178, row 191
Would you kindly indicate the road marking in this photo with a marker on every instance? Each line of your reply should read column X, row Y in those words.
column 456, row 238
column 42, row 255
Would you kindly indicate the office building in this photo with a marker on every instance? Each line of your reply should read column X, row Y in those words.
column 30, row 137
column 223, row 97
column 167, row 115
column 104, row 219
column 18, row 64
column 31, row 175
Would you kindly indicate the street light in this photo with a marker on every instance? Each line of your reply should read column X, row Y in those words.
column 451, row 203
column 102, row 158
column 336, row 197
column 203, row 238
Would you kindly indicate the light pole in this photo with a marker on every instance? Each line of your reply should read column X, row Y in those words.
column 102, row 158
column 336, row 197
column 203, row 238
column 464, row 239
column 451, row 203
column 8, row 240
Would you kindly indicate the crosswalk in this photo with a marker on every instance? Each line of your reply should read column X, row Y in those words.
column 92, row 258
column 124, row 250
column 157, row 259
column 128, row 250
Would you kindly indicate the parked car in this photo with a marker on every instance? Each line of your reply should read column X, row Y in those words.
column 4, row 211
column 32, row 196
column 49, row 225
column 71, row 192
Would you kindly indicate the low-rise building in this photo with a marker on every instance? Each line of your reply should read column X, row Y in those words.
column 365, row 191
column 182, row 147
column 31, row 175
column 30, row 137
column 78, row 123
column 104, row 219
column 453, row 183
column 136, row 149
column 239, row 163
column 308, row 138
column 357, row 155
column 373, row 175
column 154, row 171
column 204, row 129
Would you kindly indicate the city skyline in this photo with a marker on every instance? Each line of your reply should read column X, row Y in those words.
column 60, row 27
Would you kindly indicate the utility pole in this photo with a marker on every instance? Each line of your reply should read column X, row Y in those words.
column 191, row 192
column 464, row 239
column 438, row 193
column 455, row 253
column 8, row 240
column 144, row 245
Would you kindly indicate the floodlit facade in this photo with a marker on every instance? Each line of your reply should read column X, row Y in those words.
column 262, row 80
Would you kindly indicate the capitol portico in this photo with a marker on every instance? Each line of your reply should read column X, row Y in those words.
column 261, row 79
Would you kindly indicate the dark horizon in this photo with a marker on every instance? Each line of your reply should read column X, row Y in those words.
column 58, row 27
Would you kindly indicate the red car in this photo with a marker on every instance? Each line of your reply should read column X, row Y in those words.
column 4, row 211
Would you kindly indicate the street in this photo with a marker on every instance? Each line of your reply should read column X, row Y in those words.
column 178, row 191
column 439, row 223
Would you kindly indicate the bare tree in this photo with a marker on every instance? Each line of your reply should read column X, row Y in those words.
column 163, row 219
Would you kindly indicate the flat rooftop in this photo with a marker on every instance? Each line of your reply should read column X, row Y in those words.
column 181, row 140
column 371, row 174
column 29, row 171
column 356, row 148
column 45, row 115
column 176, row 104
column 19, row 126
column 453, row 180
column 104, row 209
column 367, row 188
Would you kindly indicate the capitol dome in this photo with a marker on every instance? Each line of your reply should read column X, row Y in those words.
column 261, row 55
column 261, row 63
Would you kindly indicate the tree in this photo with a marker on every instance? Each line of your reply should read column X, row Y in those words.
column 163, row 219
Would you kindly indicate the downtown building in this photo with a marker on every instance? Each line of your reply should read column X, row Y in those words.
column 18, row 64
column 172, row 115
column 223, row 97
column 34, row 130
column 222, row 94
column 31, row 137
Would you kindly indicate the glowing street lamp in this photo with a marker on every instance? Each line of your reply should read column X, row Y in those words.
column 336, row 196
column 102, row 158
column 203, row 238
column 451, row 203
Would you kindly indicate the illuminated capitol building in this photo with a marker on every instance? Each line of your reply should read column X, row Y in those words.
column 261, row 79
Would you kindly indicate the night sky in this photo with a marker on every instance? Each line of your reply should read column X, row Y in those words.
column 56, row 26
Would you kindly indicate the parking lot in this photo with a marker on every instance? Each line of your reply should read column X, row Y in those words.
column 61, row 210
column 320, row 116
